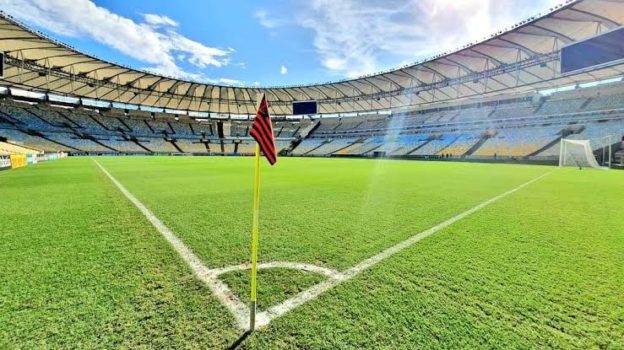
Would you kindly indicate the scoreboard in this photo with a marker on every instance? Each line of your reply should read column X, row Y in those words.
column 597, row 52
column 304, row 107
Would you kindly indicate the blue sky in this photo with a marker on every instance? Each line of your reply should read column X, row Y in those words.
column 276, row 42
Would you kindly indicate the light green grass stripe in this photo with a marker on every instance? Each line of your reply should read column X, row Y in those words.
column 313, row 292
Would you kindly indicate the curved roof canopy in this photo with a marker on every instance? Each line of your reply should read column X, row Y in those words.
column 524, row 58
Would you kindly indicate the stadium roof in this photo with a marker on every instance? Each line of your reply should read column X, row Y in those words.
column 523, row 58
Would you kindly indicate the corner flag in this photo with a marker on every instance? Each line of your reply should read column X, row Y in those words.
column 262, row 132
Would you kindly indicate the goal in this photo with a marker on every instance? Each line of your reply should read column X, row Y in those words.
column 577, row 153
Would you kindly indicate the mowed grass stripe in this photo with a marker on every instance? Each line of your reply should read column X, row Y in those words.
column 326, row 212
column 276, row 311
column 82, row 268
column 542, row 268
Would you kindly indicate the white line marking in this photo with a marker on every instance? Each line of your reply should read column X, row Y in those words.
column 240, row 311
column 218, row 288
column 282, row 264
column 313, row 292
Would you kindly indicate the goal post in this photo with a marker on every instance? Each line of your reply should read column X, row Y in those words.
column 605, row 144
column 577, row 153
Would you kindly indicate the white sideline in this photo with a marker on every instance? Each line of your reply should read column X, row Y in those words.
column 240, row 311
column 218, row 288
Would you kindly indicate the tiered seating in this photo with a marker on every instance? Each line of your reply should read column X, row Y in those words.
column 372, row 124
column 556, row 106
column 123, row 146
column 474, row 113
column 286, row 129
column 159, row 126
column 351, row 149
column 10, row 148
column 215, row 146
column 332, row 146
column 138, row 126
column 228, row 147
column 436, row 145
column 281, row 145
column 51, row 115
column 550, row 153
column 388, row 145
column 513, row 110
column 87, row 124
column 202, row 128
column 599, row 133
column 18, row 137
column 520, row 126
column 182, row 128
column 75, row 142
column 111, row 123
column 407, row 144
column 433, row 117
column 191, row 146
column 349, row 124
column 517, row 142
column 159, row 145
column 461, row 145
column 307, row 145
column 27, row 119
column 448, row 117
column 606, row 102
column 364, row 147
column 239, row 129
column 247, row 147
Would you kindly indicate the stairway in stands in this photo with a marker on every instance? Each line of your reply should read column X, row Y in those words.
column 441, row 150
column 564, row 133
column 477, row 145
column 358, row 141
column 419, row 146
column 174, row 144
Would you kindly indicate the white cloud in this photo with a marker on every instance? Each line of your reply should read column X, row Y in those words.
column 351, row 37
column 154, row 42
column 228, row 81
column 158, row 20
column 283, row 70
column 263, row 18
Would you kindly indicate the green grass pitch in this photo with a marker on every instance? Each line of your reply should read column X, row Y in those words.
column 81, row 267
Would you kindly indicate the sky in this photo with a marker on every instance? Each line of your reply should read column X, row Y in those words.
column 269, row 42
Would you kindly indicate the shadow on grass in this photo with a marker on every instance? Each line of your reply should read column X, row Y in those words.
column 239, row 341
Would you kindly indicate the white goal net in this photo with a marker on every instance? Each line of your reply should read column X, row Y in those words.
column 577, row 153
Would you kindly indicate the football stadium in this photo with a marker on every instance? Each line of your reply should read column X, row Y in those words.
column 472, row 199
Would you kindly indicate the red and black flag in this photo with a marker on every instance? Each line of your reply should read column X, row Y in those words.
column 262, row 131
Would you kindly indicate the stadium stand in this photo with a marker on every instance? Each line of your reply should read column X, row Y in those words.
column 228, row 147
column 247, row 148
column 526, row 126
column 191, row 146
column 158, row 145
column 182, row 128
column 10, row 148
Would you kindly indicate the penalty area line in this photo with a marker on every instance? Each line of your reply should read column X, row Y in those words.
column 203, row 273
column 313, row 292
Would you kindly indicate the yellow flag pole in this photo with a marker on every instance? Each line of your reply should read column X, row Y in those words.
column 254, row 241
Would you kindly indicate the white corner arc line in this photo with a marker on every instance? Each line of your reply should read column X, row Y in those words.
column 316, row 290
column 203, row 273
column 330, row 273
